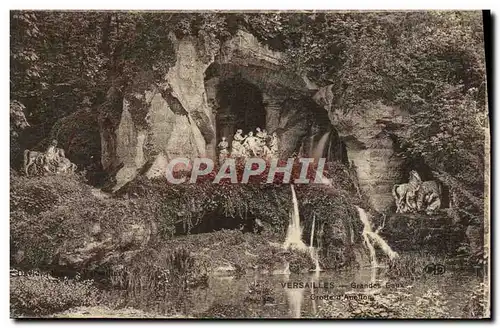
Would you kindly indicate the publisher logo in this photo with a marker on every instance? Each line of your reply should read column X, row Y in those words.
column 435, row 269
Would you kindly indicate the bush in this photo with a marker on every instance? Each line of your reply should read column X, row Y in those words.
column 40, row 295
column 157, row 279
column 476, row 306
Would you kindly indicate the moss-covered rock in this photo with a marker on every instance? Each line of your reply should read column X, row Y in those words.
column 436, row 233
column 64, row 226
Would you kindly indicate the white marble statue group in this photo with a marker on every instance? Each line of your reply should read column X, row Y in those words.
column 52, row 161
column 417, row 195
column 249, row 145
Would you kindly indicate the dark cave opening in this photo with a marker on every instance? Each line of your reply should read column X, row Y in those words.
column 240, row 107
column 425, row 171
column 217, row 221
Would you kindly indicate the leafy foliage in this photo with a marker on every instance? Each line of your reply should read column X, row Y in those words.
column 399, row 57
column 430, row 64
column 36, row 295
column 78, row 134
column 155, row 279
column 476, row 305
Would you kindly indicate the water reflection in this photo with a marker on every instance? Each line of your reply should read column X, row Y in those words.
column 293, row 298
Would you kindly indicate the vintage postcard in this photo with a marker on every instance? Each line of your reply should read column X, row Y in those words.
column 249, row 164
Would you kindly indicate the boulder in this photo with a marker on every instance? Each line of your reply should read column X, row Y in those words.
column 367, row 134
column 168, row 119
column 417, row 232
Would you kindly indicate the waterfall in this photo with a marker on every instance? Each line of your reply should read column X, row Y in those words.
column 372, row 238
column 311, row 146
column 294, row 234
column 312, row 231
column 366, row 229
column 320, row 147
column 312, row 251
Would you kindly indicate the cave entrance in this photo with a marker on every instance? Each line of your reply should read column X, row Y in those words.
column 216, row 221
column 241, row 106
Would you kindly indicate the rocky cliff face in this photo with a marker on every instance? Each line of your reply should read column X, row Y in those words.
column 161, row 121
column 366, row 133
column 179, row 116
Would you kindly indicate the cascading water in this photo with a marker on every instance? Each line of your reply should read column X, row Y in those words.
column 313, row 252
column 294, row 234
column 372, row 238
column 320, row 147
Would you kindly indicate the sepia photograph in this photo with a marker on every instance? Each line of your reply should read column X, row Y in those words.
column 249, row 164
